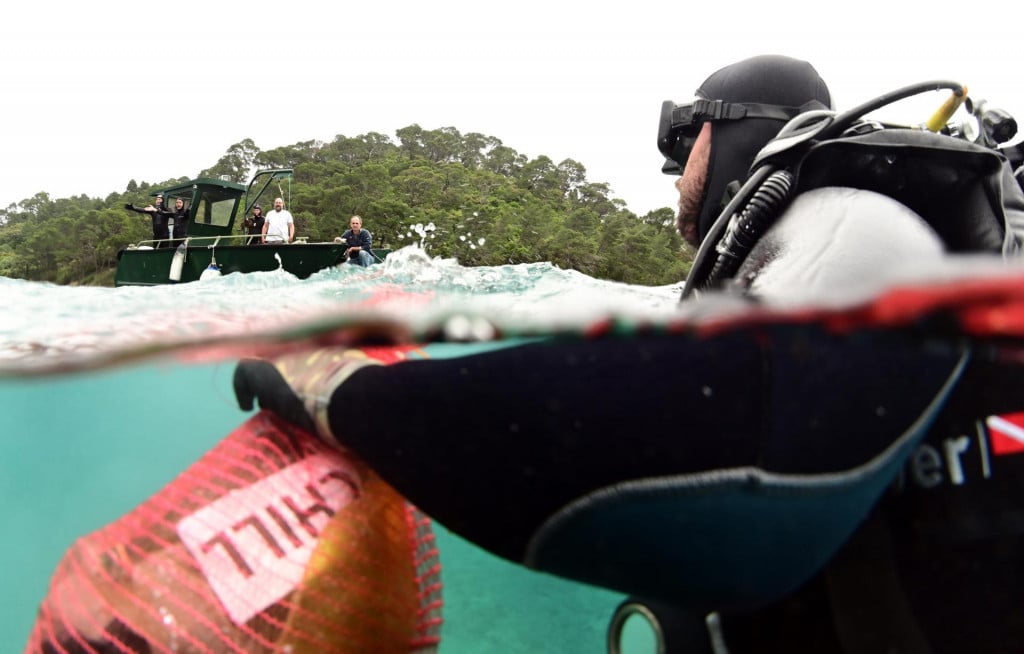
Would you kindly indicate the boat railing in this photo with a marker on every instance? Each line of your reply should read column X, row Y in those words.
column 205, row 242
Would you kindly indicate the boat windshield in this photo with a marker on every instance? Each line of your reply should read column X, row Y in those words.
column 214, row 207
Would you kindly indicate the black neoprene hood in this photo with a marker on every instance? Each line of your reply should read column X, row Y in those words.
column 767, row 79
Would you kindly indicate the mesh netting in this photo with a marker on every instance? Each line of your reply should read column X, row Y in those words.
column 271, row 542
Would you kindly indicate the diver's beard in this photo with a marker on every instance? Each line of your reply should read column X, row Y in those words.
column 691, row 197
column 686, row 223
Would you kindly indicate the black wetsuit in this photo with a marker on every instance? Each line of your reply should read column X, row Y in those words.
column 254, row 228
column 180, row 218
column 528, row 431
column 159, row 218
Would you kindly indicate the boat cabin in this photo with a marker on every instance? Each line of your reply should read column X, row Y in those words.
column 214, row 203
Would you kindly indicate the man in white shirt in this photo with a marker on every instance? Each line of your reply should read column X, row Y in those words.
column 279, row 227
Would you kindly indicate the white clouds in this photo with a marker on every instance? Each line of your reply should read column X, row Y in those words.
column 96, row 97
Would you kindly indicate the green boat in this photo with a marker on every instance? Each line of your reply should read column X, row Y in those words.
column 213, row 245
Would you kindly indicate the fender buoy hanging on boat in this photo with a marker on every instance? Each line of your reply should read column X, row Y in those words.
column 177, row 263
column 213, row 270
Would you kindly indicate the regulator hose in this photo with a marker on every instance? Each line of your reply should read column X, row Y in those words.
column 747, row 227
column 847, row 118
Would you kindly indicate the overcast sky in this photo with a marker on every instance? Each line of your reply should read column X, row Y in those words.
column 100, row 93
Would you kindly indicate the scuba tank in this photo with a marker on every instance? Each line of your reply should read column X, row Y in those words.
column 177, row 262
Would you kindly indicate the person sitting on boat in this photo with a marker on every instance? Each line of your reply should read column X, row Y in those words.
column 748, row 475
column 279, row 226
column 253, row 225
column 360, row 242
column 180, row 216
column 158, row 215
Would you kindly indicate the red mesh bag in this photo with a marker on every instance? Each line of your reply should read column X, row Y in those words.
column 271, row 542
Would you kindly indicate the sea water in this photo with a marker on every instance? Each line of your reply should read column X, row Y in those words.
column 98, row 411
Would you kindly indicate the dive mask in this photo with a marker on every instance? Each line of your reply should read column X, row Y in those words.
column 680, row 124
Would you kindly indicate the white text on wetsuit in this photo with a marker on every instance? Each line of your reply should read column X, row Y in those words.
column 954, row 460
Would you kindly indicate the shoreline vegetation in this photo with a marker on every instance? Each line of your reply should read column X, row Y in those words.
column 488, row 204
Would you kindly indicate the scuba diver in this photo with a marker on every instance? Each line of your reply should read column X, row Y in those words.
column 813, row 490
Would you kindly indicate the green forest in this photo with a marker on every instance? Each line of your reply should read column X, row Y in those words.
column 489, row 206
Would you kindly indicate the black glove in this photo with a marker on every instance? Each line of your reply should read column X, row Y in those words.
column 298, row 387
column 258, row 379
column 130, row 206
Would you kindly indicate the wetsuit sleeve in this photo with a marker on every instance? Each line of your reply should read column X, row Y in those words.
column 492, row 445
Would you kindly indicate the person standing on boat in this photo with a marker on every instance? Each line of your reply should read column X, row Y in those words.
column 158, row 215
column 180, row 215
column 360, row 242
column 254, row 225
column 279, row 226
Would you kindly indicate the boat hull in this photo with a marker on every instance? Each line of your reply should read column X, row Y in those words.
column 152, row 267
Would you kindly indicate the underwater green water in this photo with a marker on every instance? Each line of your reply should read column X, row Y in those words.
column 78, row 451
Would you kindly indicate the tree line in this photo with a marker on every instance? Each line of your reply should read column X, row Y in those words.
column 488, row 206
